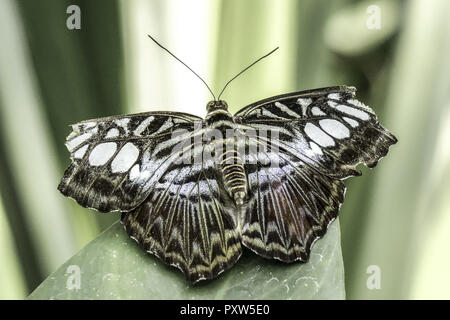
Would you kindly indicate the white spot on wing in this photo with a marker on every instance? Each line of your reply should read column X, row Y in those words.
column 166, row 125
column 286, row 110
column 112, row 133
column 333, row 104
column 125, row 158
column 143, row 125
column 135, row 171
column 88, row 125
column 315, row 148
column 75, row 142
column 80, row 152
column 73, row 134
column 304, row 103
column 317, row 112
column 123, row 123
column 334, row 128
column 334, row 96
column 349, row 110
column 351, row 122
column 359, row 104
column 102, row 153
column 266, row 112
column 318, row 136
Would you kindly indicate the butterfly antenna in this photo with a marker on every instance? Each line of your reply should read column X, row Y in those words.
column 265, row 56
column 184, row 64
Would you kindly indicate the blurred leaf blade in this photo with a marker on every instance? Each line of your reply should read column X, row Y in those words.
column 11, row 276
column 362, row 35
column 401, row 70
column 417, row 98
column 41, row 202
column 114, row 267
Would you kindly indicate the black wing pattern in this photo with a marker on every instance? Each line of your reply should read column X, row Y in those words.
column 188, row 222
column 117, row 160
column 317, row 138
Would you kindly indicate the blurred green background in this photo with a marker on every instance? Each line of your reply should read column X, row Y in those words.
column 396, row 217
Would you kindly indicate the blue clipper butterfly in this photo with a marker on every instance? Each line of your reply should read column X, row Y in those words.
column 274, row 191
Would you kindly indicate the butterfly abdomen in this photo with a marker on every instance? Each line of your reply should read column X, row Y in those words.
column 234, row 176
column 231, row 164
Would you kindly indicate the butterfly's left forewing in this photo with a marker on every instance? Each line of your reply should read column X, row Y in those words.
column 117, row 160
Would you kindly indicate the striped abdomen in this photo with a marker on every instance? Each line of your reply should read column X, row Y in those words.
column 233, row 174
column 234, row 178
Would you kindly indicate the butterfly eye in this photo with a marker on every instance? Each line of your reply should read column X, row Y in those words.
column 210, row 105
column 223, row 104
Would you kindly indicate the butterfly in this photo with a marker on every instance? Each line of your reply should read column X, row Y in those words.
column 194, row 192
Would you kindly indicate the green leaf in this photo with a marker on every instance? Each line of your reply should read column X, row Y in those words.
column 113, row 267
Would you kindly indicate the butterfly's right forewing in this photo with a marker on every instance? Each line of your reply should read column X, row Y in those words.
column 327, row 128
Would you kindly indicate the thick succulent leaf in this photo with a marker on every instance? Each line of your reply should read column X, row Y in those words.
column 113, row 267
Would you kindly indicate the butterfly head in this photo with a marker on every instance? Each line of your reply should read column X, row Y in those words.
column 216, row 105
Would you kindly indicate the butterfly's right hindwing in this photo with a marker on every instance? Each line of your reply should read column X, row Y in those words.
column 289, row 207
column 117, row 160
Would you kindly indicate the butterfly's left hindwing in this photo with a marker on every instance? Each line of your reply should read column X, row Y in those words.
column 186, row 222
column 117, row 160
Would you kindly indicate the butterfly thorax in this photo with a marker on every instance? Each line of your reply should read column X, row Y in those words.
column 217, row 111
column 229, row 158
